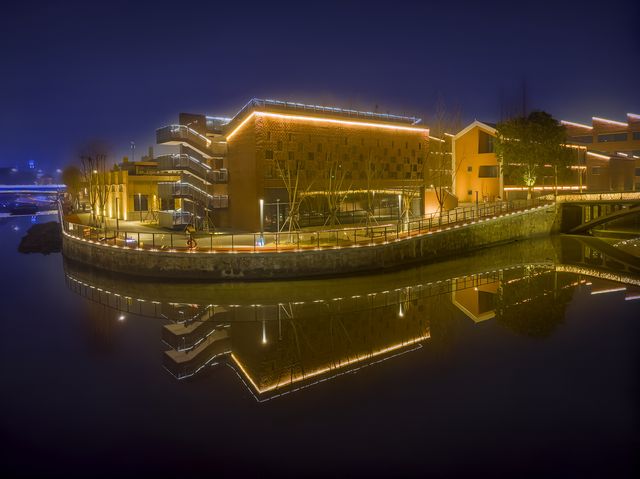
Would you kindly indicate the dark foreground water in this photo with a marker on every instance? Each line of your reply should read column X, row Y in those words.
column 516, row 361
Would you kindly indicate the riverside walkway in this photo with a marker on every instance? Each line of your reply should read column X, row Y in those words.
column 137, row 236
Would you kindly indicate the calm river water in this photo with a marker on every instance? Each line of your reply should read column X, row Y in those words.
column 519, row 360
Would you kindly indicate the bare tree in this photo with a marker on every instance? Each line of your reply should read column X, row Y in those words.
column 369, row 199
column 334, row 191
column 94, row 170
column 289, row 173
column 438, row 168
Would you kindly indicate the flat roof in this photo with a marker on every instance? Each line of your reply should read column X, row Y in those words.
column 257, row 104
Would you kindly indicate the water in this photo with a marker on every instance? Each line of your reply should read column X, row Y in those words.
column 517, row 360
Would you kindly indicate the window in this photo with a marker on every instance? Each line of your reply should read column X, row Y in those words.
column 279, row 145
column 319, row 148
column 469, row 169
column 291, row 155
column 268, row 154
column 488, row 171
column 583, row 139
column 290, row 137
column 311, row 156
column 268, row 135
column 485, row 142
column 612, row 137
column 637, row 171
column 140, row 202
column 595, row 170
column 636, row 135
column 469, row 192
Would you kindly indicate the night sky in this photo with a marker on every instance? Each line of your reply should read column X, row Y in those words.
column 116, row 71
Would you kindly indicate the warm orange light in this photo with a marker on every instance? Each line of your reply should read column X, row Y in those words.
column 302, row 377
column 577, row 125
column 612, row 122
column 597, row 155
column 326, row 120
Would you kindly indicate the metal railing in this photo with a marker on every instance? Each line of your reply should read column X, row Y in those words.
column 185, row 162
column 184, row 133
column 297, row 240
column 187, row 190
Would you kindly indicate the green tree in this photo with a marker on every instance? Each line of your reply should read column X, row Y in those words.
column 525, row 146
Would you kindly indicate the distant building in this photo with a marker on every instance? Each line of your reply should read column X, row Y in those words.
column 613, row 152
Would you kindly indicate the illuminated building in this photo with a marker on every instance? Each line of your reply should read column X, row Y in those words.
column 478, row 176
column 613, row 152
column 318, row 160
column 476, row 173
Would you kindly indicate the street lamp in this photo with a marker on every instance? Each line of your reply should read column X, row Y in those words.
column 261, row 201
column 117, row 214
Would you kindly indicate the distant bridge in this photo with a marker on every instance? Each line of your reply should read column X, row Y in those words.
column 39, row 189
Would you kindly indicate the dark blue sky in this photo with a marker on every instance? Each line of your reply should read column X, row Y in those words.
column 117, row 70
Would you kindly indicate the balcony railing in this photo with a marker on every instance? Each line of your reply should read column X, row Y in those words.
column 182, row 133
column 181, row 189
column 186, row 162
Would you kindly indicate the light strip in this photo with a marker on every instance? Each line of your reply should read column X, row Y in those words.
column 598, row 155
column 613, row 122
column 542, row 188
column 578, row 125
column 631, row 298
column 436, row 138
column 612, row 290
column 303, row 377
column 325, row 120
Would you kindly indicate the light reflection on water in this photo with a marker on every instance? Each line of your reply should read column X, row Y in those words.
column 281, row 337
column 517, row 358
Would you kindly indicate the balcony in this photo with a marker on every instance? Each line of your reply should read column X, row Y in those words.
column 188, row 163
column 181, row 189
column 182, row 134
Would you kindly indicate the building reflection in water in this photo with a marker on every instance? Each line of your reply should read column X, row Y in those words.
column 280, row 337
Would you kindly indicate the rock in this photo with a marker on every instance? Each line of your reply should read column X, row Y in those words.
column 42, row 238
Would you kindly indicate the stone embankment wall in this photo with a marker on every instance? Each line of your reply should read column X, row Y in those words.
column 299, row 264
